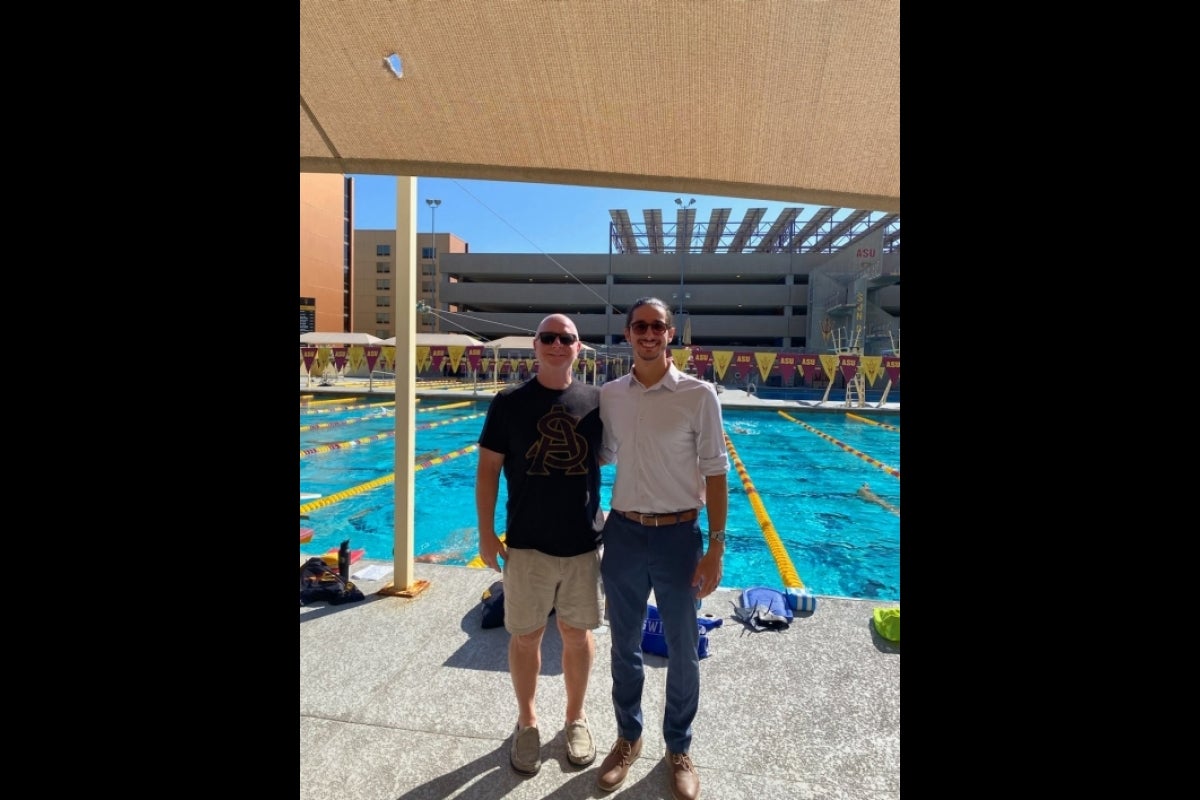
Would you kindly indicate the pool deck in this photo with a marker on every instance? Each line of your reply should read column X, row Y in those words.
column 410, row 699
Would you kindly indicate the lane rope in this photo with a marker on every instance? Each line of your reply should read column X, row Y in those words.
column 339, row 423
column 329, row 500
column 876, row 423
column 873, row 462
column 327, row 448
column 336, row 409
column 332, row 400
column 791, row 580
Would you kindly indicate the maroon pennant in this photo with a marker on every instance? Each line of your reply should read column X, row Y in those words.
column 891, row 365
column 310, row 355
column 339, row 358
column 848, row 366
column 787, row 367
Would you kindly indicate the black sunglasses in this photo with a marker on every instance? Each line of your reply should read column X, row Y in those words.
column 548, row 337
column 641, row 327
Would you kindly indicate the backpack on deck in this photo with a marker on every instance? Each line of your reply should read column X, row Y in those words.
column 319, row 582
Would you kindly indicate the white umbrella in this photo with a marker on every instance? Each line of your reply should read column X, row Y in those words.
column 336, row 337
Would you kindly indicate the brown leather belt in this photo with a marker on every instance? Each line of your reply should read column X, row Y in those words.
column 671, row 518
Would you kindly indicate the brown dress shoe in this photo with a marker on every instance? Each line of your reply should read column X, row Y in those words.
column 615, row 766
column 685, row 781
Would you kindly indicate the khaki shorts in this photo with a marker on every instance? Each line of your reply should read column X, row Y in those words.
column 535, row 583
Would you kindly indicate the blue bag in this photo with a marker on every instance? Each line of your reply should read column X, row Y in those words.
column 653, row 640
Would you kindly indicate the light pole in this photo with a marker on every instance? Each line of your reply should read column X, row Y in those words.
column 433, row 207
column 683, row 253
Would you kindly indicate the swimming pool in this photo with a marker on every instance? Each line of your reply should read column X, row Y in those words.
column 797, row 480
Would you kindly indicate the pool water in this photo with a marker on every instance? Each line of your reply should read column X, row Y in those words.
column 837, row 543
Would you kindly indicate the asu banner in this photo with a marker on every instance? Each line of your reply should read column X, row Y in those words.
column 703, row 360
column 339, row 358
column 474, row 355
column 438, row 355
column 808, row 366
column 309, row 354
column 681, row 355
column 787, row 367
column 891, row 365
column 422, row 359
column 456, row 354
column 389, row 357
column 870, row 366
column 721, row 359
column 356, row 356
column 848, row 366
column 322, row 360
column 765, row 362
column 743, row 364
column 372, row 352
column 829, row 365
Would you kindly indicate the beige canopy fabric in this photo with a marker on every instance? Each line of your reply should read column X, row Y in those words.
column 797, row 101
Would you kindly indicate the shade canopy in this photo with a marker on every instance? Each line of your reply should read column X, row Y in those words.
column 519, row 343
column 796, row 101
column 338, row 337
column 440, row 340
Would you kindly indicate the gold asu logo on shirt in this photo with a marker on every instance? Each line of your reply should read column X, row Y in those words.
column 559, row 446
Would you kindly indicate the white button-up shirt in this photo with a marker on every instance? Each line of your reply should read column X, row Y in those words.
column 666, row 438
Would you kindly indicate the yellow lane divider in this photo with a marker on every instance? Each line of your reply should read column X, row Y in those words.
column 333, row 400
column 791, row 580
column 337, row 423
column 329, row 500
column 884, row 425
column 889, row 470
column 336, row 409
column 477, row 561
column 327, row 448
column 424, row 426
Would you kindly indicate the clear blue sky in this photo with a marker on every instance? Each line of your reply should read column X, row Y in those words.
column 499, row 217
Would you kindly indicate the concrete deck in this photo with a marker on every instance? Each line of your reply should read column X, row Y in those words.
column 410, row 699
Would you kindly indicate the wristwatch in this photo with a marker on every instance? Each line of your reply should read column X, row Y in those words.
column 716, row 536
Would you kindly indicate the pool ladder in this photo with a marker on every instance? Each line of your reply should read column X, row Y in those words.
column 855, row 396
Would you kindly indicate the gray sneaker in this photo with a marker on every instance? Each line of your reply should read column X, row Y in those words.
column 525, row 755
column 581, row 750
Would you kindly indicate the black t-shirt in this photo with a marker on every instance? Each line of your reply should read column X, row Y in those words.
column 550, row 439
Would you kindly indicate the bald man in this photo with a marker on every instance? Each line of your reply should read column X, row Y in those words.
column 545, row 436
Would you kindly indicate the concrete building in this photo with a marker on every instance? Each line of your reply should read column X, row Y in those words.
column 787, row 284
column 326, row 251
column 376, row 269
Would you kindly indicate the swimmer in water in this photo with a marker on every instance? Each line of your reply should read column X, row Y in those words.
column 438, row 558
column 865, row 493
